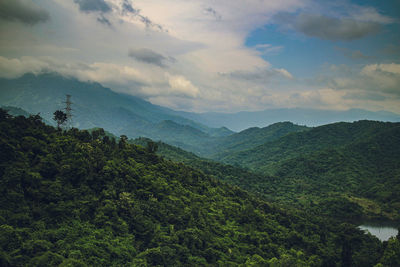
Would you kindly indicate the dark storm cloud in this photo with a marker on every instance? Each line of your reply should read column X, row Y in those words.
column 93, row 6
column 149, row 56
column 329, row 28
column 24, row 11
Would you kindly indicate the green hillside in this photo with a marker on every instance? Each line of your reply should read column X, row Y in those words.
column 252, row 137
column 235, row 175
column 356, row 161
column 79, row 199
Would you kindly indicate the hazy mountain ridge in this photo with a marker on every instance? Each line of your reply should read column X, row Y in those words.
column 252, row 137
column 301, row 116
column 331, row 135
column 94, row 106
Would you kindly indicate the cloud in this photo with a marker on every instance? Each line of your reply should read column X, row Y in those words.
column 353, row 54
column 99, row 6
column 129, row 12
column 258, row 75
column 362, row 95
column 24, row 11
column 335, row 29
column 385, row 77
column 93, row 6
column 211, row 11
column 213, row 68
column 335, row 20
column 365, row 13
column 369, row 81
column 372, row 69
column 127, row 8
column 103, row 20
column 324, row 98
column 182, row 86
column 391, row 49
column 149, row 56
column 268, row 49
column 120, row 77
column 13, row 68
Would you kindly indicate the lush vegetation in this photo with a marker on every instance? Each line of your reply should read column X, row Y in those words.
column 355, row 165
column 74, row 198
column 250, row 138
column 235, row 175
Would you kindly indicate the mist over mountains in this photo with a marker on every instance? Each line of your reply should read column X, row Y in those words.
column 97, row 106
column 309, row 117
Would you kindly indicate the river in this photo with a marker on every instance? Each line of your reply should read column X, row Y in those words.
column 383, row 230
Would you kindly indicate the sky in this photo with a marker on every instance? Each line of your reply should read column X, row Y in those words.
column 214, row 55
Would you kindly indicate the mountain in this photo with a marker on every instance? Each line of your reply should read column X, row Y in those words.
column 251, row 138
column 310, row 117
column 96, row 106
column 14, row 111
column 234, row 175
column 71, row 198
column 359, row 161
column 216, row 147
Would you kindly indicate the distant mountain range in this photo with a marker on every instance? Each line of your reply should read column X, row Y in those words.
column 250, row 138
column 203, row 133
column 310, row 117
column 97, row 106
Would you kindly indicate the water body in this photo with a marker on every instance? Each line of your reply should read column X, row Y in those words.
column 382, row 230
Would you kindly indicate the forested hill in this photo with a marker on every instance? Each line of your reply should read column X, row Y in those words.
column 71, row 198
column 358, row 160
column 251, row 138
column 318, row 138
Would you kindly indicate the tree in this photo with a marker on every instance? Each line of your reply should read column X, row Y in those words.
column 60, row 117
column 123, row 139
column 152, row 147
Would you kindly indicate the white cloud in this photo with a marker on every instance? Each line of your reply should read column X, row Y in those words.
column 108, row 74
column 388, row 68
column 370, row 14
column 285, row 73
column 180, row 85
column 14, row 67
column 268, row 49
column 185, row 54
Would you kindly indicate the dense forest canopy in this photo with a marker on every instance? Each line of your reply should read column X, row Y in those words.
column 74, row 198
column 355, row 163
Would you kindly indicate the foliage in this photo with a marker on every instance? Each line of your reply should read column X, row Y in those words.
column 78, row 199
column 60, row 117
column 347, row 161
